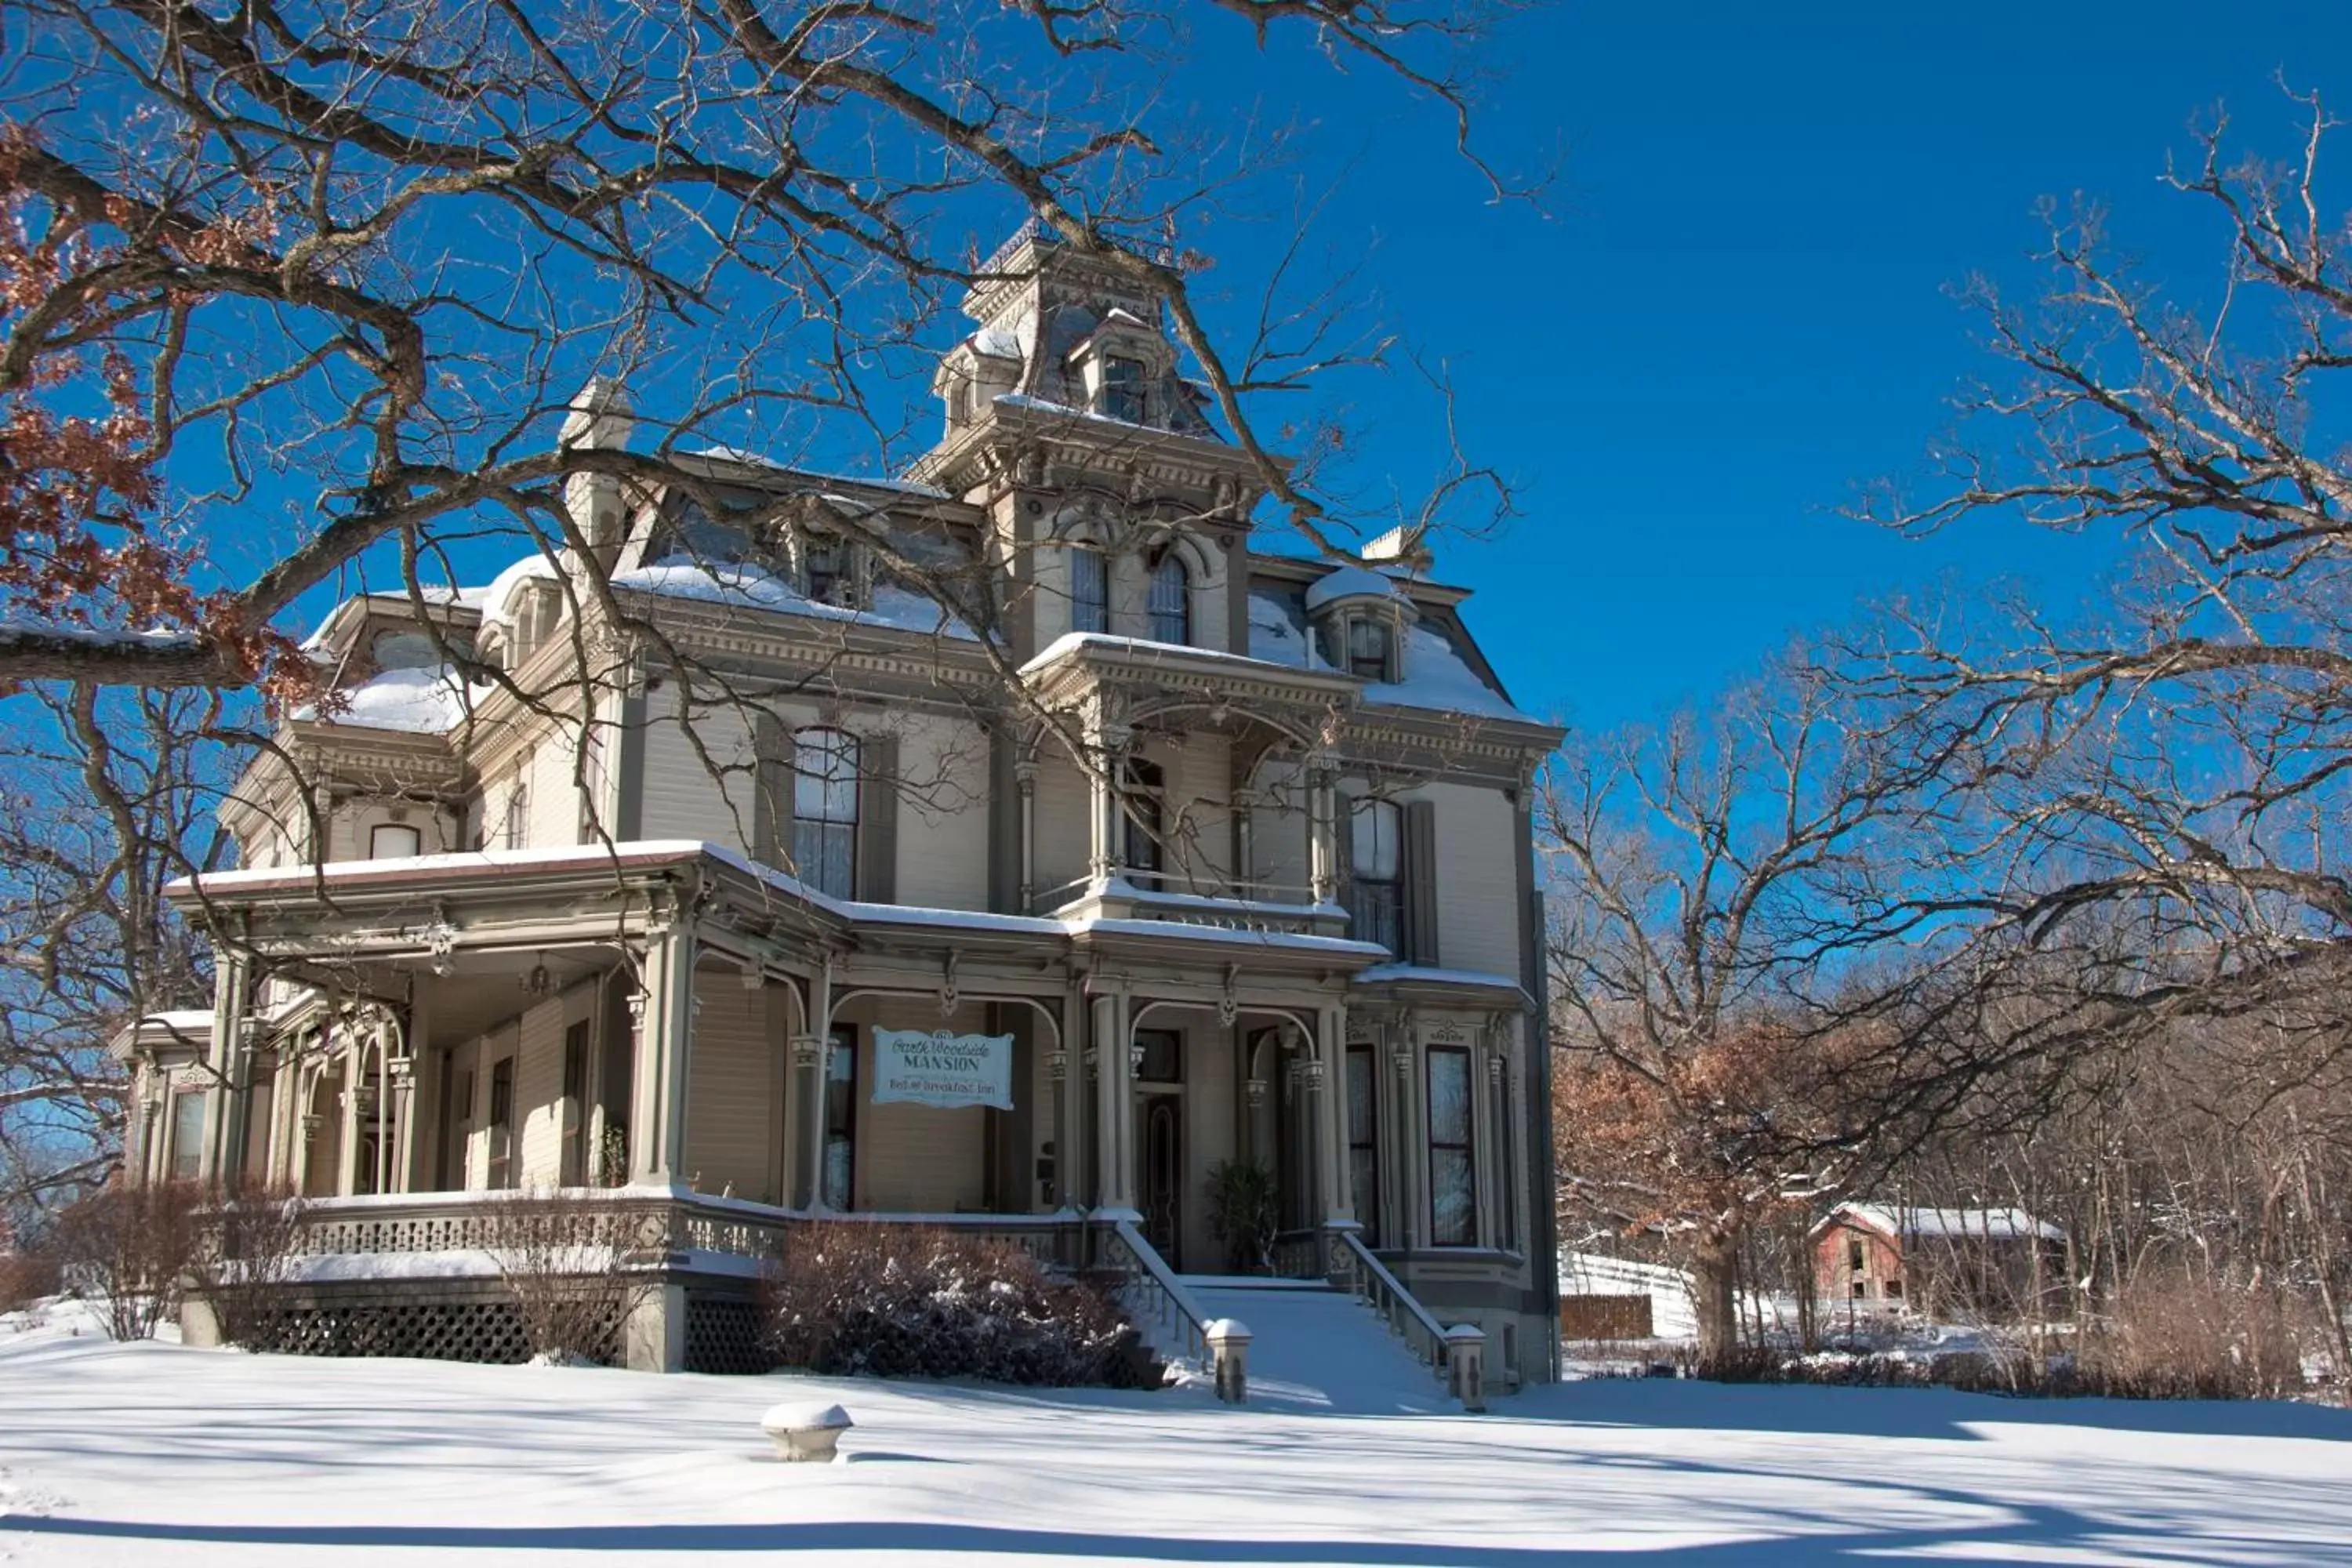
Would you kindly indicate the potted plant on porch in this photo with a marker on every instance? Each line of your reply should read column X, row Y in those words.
column 1244, row 1212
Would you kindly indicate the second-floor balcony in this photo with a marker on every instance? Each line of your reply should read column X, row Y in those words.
column 1192, row 899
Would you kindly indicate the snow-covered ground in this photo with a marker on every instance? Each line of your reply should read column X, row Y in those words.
column 157, row 1455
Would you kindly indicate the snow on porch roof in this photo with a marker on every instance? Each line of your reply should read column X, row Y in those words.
column 1942, row 1225
column 645, row 852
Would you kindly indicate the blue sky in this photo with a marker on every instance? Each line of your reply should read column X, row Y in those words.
column 1736, row 309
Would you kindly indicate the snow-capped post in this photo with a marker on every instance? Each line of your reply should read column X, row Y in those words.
column 805, row 1434
column 599, row 418
column 1229, row 1343
column 1466, row 1364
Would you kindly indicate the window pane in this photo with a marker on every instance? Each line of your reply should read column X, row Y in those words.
column 1449, row 1097
column 1376, row 832
column 393, row 841
column 824, row 856
column 1453, row 1203
column 825, row 789
column 1368, row 649
column 1090, row 591
column 1123, row 389
column 187, row 1136
column 1171, row 617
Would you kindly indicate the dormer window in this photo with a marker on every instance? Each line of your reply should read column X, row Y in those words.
column 820, row 569
column 1122, row 388
column 1172, row 602
column 1370, row 645
column 1089, row 589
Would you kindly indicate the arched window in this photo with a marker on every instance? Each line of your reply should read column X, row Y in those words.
column 1143, row 822
column 1171, row 601
column 1122, row 388
column 821, row 565
column 1089, row 589
column 394, row 841
column 1376, row 874
column 825, row 811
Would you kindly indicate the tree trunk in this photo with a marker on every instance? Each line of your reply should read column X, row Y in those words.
column 1715, row 1298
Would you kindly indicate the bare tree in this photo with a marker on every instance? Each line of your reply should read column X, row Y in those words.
column 372, row 251
column 108, row 795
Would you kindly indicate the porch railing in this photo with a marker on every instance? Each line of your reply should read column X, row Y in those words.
column 629, row 1222
column 1152, row 1288
column 1380, row 1290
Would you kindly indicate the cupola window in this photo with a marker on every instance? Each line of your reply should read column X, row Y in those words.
column 1089, row 589
column 1172, row 602
column 1122, row 388
column 1370, row 643
column 821, row 567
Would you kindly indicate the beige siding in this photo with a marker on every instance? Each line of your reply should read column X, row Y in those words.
column 1209, row 1104
column 1199, row 814
column 1278, row 831
column 943, row 814
column 554, row 799
column 915, row 1158
column 353, row 834
column 1477, row 878
column 734, row 1090
column 1062, row 803
column 681, row 798
column 539, row 1097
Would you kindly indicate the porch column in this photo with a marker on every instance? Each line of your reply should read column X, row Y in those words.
column 1322, row 834
column 1115, row 1107
column 665, row 1020
column 809, row 1050
column 285, row 1113
column 347, row 1152
column 1331, row 1043
column 1485, row 1074
column 232, row 987
column 1412, row 1142
column 1108, row 741
column 1024, row 779
column 421, row 1131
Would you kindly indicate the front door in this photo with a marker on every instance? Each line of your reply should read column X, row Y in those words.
column 1162, row 1147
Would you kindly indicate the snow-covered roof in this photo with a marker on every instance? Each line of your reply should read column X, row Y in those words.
column 683, row 577
column 1435, row 675
column 1940, row 1224
column 530, row 568
column 1350, row 581
column 754, row 460
column 420, row 701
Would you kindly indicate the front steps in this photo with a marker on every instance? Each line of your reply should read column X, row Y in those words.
column 1317, row 1348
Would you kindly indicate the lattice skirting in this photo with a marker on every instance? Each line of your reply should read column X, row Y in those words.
column 436, row 1323
column 723, row 1334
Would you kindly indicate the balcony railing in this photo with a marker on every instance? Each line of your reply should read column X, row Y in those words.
column 1180, row 897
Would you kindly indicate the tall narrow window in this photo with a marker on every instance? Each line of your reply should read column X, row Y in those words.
column 821, row 564
column 187, row 1135
column 393, row 841
column 1507, row 1144
column 1089, row 589
column 1376, row 883
column 1122, row 389
column 1144, row 824
column 502, row 1164
column 825, row 811
column 1172, row 602
column 575, row 1104
column 516, row 828
column 1368, row 649
column 841, row 1118
column 1363, row 1139
column 1452, row 1184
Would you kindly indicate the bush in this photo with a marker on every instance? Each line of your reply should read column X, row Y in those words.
column 1245, row 1214
column 26, row 1277
column 126, row 1249
column 575, row 1277
column 2194, row 1339
column 903, row 1302
column 248, row 1253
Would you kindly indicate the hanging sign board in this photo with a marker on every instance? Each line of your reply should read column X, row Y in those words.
column 920, row 1066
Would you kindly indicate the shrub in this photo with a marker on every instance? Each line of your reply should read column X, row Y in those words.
column 576, row 1274
column 126, row 1249
column 248, row 1252
column 26, row 1277
column 1244, row 1212
column 905, row 1302
column 2194, row 1339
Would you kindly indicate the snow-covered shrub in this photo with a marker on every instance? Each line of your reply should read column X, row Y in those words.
column 126, row 1250
column 570, row 1261
column 248, row 1252
column 909, row 1301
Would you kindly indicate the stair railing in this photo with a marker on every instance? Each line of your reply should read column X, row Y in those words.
column 1152, row 1287
column 1380, row 1290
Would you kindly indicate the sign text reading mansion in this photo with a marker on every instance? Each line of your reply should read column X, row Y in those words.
column 767, row 887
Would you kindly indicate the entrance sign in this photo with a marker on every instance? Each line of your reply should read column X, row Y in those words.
column 920, row 1066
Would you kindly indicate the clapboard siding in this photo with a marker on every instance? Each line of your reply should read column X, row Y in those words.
column 681, row 799
column 1278, row 830
column 553, row 799
column 1064, row 839
column 916, row 1158
column 539, row 1096
column 942, row 859
column 734, row 1093
column 1477, row 878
